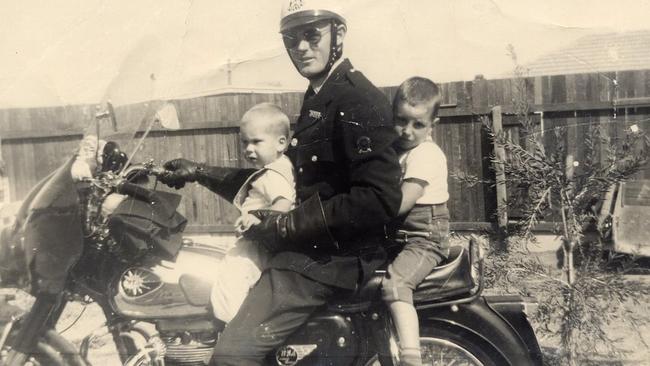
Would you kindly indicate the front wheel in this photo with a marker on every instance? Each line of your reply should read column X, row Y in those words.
column 51, row 349
column 442, row 348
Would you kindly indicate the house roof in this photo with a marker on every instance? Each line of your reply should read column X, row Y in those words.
column 597, row 53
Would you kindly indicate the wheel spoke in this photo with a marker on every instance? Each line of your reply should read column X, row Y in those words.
column 442, row 352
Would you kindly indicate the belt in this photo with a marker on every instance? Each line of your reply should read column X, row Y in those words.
column 403, row 235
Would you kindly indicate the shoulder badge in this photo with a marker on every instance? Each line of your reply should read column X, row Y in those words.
column 364, row 145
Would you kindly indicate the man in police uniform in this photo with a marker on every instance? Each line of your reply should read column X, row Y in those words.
column 347, row 188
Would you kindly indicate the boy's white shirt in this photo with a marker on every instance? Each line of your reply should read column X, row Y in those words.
column 427, row 162
column 263, row 187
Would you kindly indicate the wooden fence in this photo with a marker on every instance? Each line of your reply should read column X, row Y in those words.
column 35, row 141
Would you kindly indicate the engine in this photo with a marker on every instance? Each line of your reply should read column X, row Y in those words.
column 188, row 342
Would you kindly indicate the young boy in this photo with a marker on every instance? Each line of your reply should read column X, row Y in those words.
column 264, row 133
column 423, row 222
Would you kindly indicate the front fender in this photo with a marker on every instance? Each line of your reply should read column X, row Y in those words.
column 492, row 330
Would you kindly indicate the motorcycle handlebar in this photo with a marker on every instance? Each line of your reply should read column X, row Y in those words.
column 136, row 191
column 158, row 171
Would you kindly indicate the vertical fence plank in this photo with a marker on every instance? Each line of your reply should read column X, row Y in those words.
column 558, row 89
column 570, row 85
column 581, row 87
column 639, row 83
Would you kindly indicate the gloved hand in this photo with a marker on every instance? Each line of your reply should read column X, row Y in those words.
column 303, row 229
column 179, row 171
column 269, row 229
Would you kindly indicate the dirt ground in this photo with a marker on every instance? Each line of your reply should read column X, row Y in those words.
column 634, row 344
column 79, row 320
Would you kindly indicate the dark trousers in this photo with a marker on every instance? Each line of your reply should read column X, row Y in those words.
column 278, row 305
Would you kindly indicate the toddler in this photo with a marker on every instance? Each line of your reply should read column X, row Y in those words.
column 264, row 132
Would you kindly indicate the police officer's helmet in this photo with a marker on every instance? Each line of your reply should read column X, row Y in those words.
column 301, row 12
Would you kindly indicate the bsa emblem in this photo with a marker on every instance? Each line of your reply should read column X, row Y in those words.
column 294, row 5
column 364, row 145
column 290, row 355
column 315, row 114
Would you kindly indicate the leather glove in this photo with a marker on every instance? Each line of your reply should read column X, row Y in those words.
column 268, row 230
column 303, row 229
column 178, row 172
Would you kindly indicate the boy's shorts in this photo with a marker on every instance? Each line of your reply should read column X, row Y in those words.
column 423, row 250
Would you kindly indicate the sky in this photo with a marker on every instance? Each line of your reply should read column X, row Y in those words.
column 83, row 51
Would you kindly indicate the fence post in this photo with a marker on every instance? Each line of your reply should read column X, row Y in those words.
column 500, row 155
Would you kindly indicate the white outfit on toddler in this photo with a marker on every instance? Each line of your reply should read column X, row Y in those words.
column 242, row 265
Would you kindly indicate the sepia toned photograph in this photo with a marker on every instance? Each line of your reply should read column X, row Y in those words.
column 325, row 182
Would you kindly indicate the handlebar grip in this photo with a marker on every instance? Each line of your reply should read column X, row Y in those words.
column 159, row 172
column 136, row 191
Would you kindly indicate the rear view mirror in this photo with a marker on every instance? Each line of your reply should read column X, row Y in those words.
column 167, row 115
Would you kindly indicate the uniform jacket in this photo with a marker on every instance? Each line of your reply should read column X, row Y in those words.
column 341, row 150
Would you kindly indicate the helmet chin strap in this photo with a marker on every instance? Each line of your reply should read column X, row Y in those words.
column 335, row 54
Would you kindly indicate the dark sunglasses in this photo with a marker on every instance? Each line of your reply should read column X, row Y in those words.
column 311, row 35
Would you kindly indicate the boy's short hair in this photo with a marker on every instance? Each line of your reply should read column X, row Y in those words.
column 277, row 120
column 418, row 90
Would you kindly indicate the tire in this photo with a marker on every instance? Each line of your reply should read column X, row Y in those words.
column 441, row 347
column 51, row 349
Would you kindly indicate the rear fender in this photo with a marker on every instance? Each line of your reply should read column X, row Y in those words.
column 487, row 327
column 513, row 310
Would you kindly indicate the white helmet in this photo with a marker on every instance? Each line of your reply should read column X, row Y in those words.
column 300, row 12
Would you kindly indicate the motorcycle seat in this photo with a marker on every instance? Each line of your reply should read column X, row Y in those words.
column 450, row 279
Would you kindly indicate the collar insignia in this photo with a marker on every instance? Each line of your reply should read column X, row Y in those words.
column 315, row 114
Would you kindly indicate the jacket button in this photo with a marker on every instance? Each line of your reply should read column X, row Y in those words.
column 294, row 141
column 314, row 158
column 300, row 170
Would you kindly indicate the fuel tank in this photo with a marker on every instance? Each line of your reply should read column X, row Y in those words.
column 157, row 291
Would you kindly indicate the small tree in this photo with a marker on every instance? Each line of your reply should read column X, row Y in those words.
column 548, row 181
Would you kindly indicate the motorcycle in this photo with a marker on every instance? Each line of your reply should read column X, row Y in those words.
column 112, row 238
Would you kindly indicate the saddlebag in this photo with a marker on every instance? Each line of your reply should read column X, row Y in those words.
column 139, row 226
